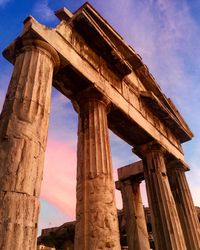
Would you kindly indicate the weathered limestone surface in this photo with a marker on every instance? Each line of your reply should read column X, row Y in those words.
column 93, row 56
column 96, row 214
column 137, row 235
column 23, row 135
column 168, row 234
column 149, row 123
column 185, row 207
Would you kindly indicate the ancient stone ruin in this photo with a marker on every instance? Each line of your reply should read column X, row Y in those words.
column 110, row 87
column 62, row 237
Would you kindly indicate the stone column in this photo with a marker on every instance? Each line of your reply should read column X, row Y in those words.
column 136, row 230
column 167, row 230
column 184, row 204
column 96, row 214
column 23, row 135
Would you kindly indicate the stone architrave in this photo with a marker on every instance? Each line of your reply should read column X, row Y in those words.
column 23, row 135
column 167, row 230
column 136, row 230
column 184, row 204
column 96, row 213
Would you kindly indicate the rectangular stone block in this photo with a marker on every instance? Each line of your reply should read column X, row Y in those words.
column 131, row 171
column 18, row 214
column 21, row 169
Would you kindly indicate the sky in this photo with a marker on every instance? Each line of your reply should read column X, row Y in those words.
column 166, row 34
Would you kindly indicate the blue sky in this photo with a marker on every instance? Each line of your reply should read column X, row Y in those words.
column 166, row 34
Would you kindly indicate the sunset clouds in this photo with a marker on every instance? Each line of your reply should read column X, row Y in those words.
column 59, row 182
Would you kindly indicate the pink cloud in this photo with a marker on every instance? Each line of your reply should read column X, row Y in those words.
column 59, row 180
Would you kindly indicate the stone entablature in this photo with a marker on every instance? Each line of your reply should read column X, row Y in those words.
column 125, row 93
column 109, row 86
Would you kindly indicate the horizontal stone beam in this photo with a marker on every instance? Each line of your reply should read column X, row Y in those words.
column 136, row 171
column 82, row 67
column 130, row 171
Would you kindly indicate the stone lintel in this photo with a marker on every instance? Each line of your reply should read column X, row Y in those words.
column 33, row 28
column 131, row 171
column 63, row 14
column 135, row 171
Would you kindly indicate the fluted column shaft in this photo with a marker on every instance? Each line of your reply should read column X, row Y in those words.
column 185, row 207
column 96, row 214
column 136, row 230
column 167, row 230
column 23, row 135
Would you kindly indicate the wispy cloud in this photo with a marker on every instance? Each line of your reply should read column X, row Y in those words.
column 193, row 176
column 63, row 120
column 4, row 2
column 121, row 152
column 165, row 34
column 50, row 216
column 43, row 12
column 59, row 183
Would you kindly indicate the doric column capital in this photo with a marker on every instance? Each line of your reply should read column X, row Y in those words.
column 21, row 45
column 143, row 150
column 130, row 181
column 177, row 164
column 87, row 95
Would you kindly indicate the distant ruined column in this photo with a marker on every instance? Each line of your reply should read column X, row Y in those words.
column 96, row 214
column 23, row 135
column 185, row 207
column 136, row 230
column 167, row 230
